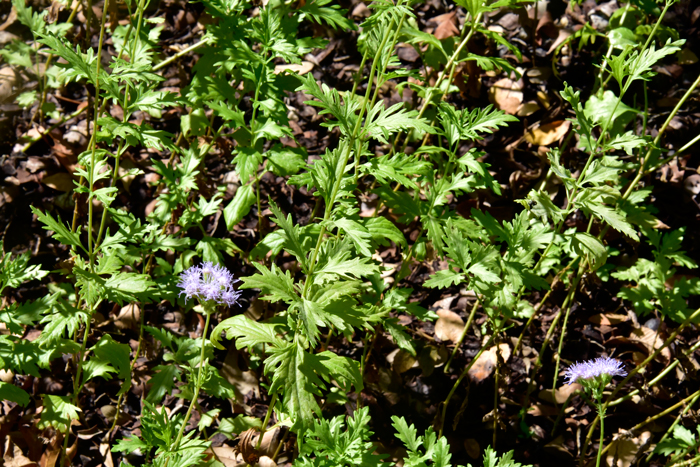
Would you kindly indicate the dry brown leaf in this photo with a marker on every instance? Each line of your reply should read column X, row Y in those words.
column 128, row 318
column 401, row 361
column 7, row 81
column 243, row 381
column 687, row 57
column 17, row 458
column 60, row 181
column 608, row 319
column 52, row 452
column 472, row 448
column 265, row 461
column 487, row 361
column 106, row 451
column 446, row 25
column 623, row 449
column 548, row 133
column 300, row 68
column 507, row 95
column 449, row 325
column 563, row 35
column 560, row 395
column 527, row 109
column 644, row 338
column 557, row 447
column 228, row 456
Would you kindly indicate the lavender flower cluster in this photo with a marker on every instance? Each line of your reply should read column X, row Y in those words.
column 209, row 282
column 594, row 368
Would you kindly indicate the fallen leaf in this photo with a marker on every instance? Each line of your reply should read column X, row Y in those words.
column 446, row 25
column 624, row 448
column 560, row 395
column 527, row 109
column 401, row 361
column 228, row 456
column 608, row 319
column 472, row 448
column 300, row 68
column 556, row 447
column 507, row 95
column 59, row 181
column 562, row 35
column 128, row 318
column 106, row 451
column 243, row 381
column 7, row 82
column 449, row 325
column 546, row 134
column 17, row 458
column 487, row 361
column 687, row 57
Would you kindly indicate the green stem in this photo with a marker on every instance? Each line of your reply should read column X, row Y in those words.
column 348, row 151
column 441, row 422
column 467, row 326
column 267, row 420
column 182, row 53
column 601, row 416
column 198, row 383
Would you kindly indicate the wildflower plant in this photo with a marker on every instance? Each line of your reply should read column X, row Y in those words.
column 323, row 281
column 594, row 375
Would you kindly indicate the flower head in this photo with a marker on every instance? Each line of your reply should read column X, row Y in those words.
column 209, row 282
column 600, row 368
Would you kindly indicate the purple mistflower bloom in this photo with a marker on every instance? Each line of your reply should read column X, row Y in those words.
column 602, row 366
column 209, row 282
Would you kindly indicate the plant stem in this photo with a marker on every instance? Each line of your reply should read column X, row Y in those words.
column 467, row 326
column 267, row 420
column 441, row 422
column 198, row 383
column 601, row 416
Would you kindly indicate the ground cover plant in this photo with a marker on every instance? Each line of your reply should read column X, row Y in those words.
column 326, row 233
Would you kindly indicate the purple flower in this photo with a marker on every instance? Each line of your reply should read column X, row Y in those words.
column 594, row 368
column 209, row 282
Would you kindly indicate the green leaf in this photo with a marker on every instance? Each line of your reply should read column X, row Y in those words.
column 294, row 376
column 57, row 413
column 213, row 248
column 383, row 122
column 284, row 161
column 407, row 434
column 338, row 265
column 291, row 234
column 382, row 229
column 627, row 141
column 444, row 278
column 587, row 245
column 239, row 206
column 118, row 355
column 10, row 392
column 61, row 232
column 332, row 15
column 402, row 339
column 26, row 99
column 231, row 427
column 97, row 367
column 274, row 284
column 195, row 123
column 162, row 382
column 345, row 371
column 247, row 332
column 358, row 234
column 607, row 108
